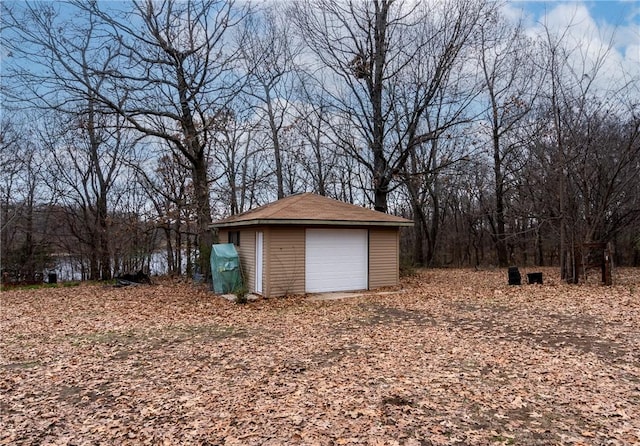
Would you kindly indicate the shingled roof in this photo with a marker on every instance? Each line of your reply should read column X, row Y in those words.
column 312, row 209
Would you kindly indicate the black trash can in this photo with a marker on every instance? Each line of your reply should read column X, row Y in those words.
column 53, row 278
column 514, row 276
column 534, row 278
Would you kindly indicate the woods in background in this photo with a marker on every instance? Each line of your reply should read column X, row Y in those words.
column 130, row 127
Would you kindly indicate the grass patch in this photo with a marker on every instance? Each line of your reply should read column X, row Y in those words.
column 162, row 336
column 503, row 439
column 70, row 284
column 44, row 285
column 27, row 286
column 210, row 332
column 105, row 337
column 39, row 286
column 21, row 365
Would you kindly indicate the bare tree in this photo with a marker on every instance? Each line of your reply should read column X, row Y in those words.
column 61, row 70
column 175, row 78
column 168, row 67
column 369, row 48
column 243, row 167
column 10, row 161
column 435, row 160
column 269, row 58
column 88, row 154
column 318, row 156
column 26, row 222
column 594, row 149
column 168, row 187
column 511, row 86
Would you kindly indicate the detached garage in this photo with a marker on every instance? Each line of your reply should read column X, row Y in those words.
column 308, row 243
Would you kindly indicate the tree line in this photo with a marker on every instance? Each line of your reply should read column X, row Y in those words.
column 129, row 127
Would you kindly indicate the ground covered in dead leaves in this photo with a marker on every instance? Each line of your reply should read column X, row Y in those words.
column 458, row 357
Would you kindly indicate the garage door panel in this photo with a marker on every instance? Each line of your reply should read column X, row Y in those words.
column 336, row 259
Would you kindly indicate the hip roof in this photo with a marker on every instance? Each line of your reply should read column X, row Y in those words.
column 312, row 209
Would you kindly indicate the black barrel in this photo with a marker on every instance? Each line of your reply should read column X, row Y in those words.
column 514, row 276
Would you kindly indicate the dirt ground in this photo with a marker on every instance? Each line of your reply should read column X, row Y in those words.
column 457, row 357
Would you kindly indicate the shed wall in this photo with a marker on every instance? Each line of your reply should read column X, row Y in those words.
column 284, row 261
column 383, row 257
column 284, row 258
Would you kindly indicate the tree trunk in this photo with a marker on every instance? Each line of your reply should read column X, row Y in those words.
column 434, row 229
column 419, row 230
column 203, row 213
column 500, row 236
column 169, row 249
column 94, row 270
column 103, row 238
column 317, row 146
column 539, row 249
column 380, row 199
column 275, row 139
column 380, row 175
column 29, row 249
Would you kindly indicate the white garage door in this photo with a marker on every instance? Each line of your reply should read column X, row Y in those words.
column 336, row 260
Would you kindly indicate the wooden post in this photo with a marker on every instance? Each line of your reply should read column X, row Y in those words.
column 598, row 255
column 607, row 278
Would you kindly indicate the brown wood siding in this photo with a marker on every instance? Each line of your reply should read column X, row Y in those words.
column 383, row 258
column 247, row 253
column 284, row 261
column 223, row 236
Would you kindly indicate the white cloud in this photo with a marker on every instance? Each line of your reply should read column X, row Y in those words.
column 592, row 41
column 632, row 54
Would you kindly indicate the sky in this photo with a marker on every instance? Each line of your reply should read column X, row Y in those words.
column 595, row 27
column 617, row 18
column 623, row 16
column 593, row 24
column 611, row 11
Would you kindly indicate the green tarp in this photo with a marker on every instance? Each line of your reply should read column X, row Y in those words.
column 225, row 268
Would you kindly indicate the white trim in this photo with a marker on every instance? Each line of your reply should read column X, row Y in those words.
column 259, row 261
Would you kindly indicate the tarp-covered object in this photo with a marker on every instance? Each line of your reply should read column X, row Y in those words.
column 225, row 268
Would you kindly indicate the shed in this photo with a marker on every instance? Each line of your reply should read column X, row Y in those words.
column 308, row 243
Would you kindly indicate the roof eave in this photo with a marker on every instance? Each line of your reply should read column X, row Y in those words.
column 309, row 222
